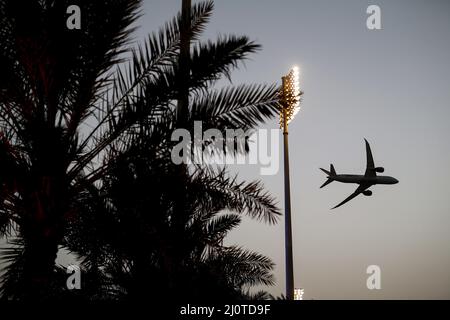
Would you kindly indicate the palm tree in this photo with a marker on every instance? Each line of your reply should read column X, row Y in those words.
column 129, row 234
column 72, row 105
column 51, row 81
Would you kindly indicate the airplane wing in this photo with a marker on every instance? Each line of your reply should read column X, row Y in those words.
column 370, row 167
column 358, row 190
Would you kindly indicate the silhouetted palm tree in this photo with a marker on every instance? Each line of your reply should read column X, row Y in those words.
column 51, row 81
column 71, row 114
column 129, row 232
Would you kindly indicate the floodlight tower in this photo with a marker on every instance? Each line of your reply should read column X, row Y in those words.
column 290, row 102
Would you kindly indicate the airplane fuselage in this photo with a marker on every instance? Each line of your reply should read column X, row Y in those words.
column 356, row 178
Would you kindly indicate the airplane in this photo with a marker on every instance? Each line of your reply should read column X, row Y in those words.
column 365, row 181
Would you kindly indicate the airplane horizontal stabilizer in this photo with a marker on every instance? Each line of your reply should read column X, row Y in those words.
column 332, row 172
column 326, row 182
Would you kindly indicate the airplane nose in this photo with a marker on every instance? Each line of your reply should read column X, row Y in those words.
column 395, row 181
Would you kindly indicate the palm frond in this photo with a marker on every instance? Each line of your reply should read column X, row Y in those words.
column 211, row 60
column 240, row 107
column 244, row 268
column 12, row 259
column 244, row 198
column 258, row 295
column 217, row 228
column 150, row 67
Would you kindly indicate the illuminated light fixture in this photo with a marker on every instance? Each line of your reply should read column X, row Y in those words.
column 298, row 293
column 290, row 95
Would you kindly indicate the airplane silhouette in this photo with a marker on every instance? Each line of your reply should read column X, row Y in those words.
column 365, row 181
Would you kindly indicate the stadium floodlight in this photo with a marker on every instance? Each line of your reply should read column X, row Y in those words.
column 290, row 105
column 290, row 96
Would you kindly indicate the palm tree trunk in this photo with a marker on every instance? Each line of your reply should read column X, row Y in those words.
column 183, row 81
column 182, row 119
column 39, row 263
column 42, row 234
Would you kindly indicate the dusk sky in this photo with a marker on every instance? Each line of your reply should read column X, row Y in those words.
column 391, row 86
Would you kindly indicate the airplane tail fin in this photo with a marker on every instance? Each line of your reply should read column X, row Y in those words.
column 333, row 172
column 330, row 175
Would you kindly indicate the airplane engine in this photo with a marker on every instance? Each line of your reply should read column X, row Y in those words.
column 379, row 169
column 367, row 193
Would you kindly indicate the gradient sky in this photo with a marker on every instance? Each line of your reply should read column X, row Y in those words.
column 391, row 86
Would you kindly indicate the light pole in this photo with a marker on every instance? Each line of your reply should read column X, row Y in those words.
column 290, row 102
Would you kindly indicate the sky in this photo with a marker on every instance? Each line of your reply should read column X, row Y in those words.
column 391, row 86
